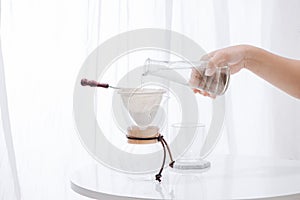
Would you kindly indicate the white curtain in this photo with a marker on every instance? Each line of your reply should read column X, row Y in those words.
column 265, row 120
column 9, row 183
column 45, row 43
column 281, row 35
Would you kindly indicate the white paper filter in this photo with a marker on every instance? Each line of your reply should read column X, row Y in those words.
column 142, row 103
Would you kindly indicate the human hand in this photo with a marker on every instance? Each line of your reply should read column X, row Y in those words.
column 234, row 57
column 198, row 77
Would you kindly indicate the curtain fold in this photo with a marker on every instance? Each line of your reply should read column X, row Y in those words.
column 222, row 38
column 9, row 182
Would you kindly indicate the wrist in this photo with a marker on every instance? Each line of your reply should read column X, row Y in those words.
column 254, row 56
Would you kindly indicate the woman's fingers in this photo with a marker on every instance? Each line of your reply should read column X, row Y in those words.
column 219, row 59
column 203, row 93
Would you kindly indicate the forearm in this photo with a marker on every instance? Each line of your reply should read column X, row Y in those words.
column 281, row 72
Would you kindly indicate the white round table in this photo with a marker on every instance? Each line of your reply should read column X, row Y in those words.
column 229, row 177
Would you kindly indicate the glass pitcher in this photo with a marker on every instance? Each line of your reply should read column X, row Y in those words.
column 214, row 85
